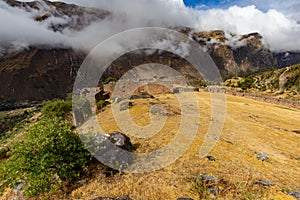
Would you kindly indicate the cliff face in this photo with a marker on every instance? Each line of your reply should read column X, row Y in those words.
column 236, row 55
column 285, row 59
column 37, row 74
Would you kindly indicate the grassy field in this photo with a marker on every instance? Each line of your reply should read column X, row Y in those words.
column 250, row 126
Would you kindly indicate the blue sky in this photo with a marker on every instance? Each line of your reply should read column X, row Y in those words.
column 209, row 3
column 263, row 5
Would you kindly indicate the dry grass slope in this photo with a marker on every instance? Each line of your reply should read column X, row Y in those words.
column 250, row 125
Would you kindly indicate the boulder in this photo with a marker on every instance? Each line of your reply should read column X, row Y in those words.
column 208, row 178
column 262, row 156
column 295, row 194
column 142, row 96
column 125, row 106
column 178, row 90
column 213, row 190
column 112, row 150
column 264, row 183
column 211, row 158
column 297, row 131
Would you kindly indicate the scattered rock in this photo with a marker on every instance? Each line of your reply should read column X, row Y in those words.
column 214, row 191
column 297, row 131
column 112, row 150
column 82, row 113
column 158, row 110
column 18, row 191
column 211, row 158
column 82, row 182
column 113, row 198
column 264, row 183
column 178, row 90
column 18, row 188
column 208, row 178
column 262, row 156
column 122, row 141
column 295, row 194
column 125, row 106
column 142, row 96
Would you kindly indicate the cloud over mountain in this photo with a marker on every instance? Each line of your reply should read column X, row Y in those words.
column 279, row 29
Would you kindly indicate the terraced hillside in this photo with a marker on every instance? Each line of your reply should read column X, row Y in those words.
column 283, row 83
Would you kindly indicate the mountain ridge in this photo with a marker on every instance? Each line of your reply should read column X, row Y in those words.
column 41, row 72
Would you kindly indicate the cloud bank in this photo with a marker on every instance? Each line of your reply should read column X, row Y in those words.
column 18, row 29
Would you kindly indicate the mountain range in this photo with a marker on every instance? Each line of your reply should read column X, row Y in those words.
column 35, row 73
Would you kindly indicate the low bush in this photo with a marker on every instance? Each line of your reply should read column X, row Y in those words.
column 247, row 83
column 57, row 108
column 48, row 155
column 109, row 79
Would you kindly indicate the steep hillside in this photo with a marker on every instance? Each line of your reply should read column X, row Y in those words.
column 284, row 83
column 40, row 72
column 33, row 75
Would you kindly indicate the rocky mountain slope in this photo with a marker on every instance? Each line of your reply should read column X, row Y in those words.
column 75, row 17
column 283, row 83
column 33, row 75
column 43, row 72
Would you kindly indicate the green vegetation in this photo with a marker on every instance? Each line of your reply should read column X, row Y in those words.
column 9, row 121
column 280, row 81
column 2, row 115
column 292, row 81
column 202, row 188
column 49, row 153
column 47, row 156
column 196, row 82
column 57, row 108
column 101, row 104
column 247, row 83
column 109, row 79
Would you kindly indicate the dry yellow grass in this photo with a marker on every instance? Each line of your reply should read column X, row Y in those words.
column 250, row 125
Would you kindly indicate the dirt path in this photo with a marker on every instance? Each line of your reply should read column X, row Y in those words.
column 267, row 99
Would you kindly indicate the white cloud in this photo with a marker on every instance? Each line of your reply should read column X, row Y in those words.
column 19, row 29
column 279, row 29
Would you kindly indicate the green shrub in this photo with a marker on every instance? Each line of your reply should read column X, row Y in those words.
column 3, row 115
column 50, row 154
column 109, row 79
column 101, row 104
column 202, row 188
column 247, row 83
column 263, row 88
column 292, row 81
column 57, row 108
